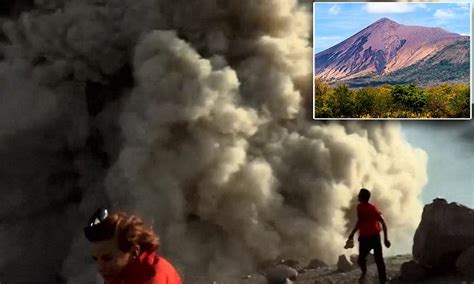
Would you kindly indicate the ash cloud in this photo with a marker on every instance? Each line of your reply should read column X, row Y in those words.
column 194, row 115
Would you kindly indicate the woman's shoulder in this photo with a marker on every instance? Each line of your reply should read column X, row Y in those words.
column 166, row 273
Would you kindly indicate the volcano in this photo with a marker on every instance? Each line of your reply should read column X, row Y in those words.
column 382, row 47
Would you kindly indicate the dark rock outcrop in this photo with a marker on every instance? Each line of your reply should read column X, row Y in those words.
column 412, row 271
column 465, row 263
column 446, row 230
column 343, row 264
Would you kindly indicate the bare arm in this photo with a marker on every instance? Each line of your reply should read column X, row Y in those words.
column 385, row 234
column 356, row 227
column 384, row 227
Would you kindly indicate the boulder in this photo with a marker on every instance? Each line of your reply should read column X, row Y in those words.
column 465, row 263
column 353, row 258
column 281, row 274
column 295, row 264
column 343, row 264
column 412, row 271
column 316, row 263
column 444, row 232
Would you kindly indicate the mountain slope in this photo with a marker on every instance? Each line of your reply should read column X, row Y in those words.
column 448, row 65
column 384, row 46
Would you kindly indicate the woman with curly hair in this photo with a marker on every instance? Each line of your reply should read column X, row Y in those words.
column 125, row 250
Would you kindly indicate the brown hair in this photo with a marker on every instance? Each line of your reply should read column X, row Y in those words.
column 130, row 230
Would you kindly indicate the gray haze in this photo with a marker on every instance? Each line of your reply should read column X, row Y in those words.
column 190, row 114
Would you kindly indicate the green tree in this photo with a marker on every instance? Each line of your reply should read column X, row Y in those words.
column 321, row 88
column 383, row 101
column 364, row 102
column 459, row 104
column 342, row 102
column 448, row 100
column 321, row 95
column 409, row 97
column 436, row 104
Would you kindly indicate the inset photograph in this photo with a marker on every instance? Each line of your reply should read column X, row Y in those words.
column 389, row 60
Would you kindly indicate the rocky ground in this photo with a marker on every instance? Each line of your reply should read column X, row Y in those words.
column 330, row 275
column 444, row 241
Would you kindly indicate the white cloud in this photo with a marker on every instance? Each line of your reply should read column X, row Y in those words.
column 392, row 8
column 421, row 6
column 464, row 6
column 444, row 14
column 334, row 10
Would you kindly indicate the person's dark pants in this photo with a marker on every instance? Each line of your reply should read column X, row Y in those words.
column 366, row 244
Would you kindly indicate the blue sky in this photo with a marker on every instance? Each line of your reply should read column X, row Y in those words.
column 450, row 158
column 334, row 22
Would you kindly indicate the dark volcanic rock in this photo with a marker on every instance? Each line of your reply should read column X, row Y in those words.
column 412, row 271
column 280, row 274
column 445, row 231
column 316, row 263
column 343, row 264
column 465, row 263
column 295, row 264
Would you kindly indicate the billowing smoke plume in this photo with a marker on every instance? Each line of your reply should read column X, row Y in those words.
column 193, row 114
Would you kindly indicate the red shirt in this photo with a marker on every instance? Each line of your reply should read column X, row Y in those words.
column 368, row 223
column 149, row 268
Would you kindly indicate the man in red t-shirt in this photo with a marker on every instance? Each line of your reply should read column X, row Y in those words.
column 368, row 224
